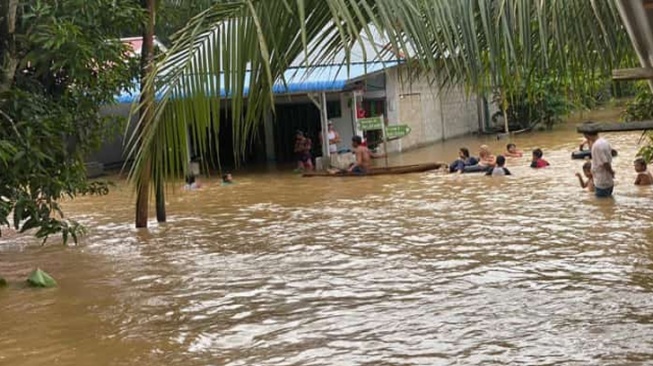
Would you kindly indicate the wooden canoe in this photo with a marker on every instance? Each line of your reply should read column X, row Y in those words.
column 392, row 170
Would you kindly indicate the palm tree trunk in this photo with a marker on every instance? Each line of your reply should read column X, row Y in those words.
column 160, row 200
column 146, row 111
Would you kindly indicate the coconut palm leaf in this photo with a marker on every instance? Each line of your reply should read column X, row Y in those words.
column 232, row 54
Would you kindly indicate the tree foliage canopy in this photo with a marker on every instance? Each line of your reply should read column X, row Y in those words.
column 60, row 62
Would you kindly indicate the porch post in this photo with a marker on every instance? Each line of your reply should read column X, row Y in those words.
column 324, row 118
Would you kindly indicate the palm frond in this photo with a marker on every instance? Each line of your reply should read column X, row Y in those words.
column 231, row 56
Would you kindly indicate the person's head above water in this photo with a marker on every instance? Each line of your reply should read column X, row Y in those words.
column 501, row 161
column 464, row 152
column 538, row 153
column 356, row 141
column 640, row 165
column 587, row 169
column 484, row 151
column 226, row 178
column 190, row 179
column 591, row 136
column 511, row 147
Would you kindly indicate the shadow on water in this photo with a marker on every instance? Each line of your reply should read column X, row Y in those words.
column 422, row 269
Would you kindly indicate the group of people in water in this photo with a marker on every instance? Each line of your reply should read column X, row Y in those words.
column 598, row 172
column 363, row 155
column 486, row 161
column 493, row 165
column 192, row 184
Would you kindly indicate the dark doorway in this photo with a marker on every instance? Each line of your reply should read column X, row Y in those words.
column 287, row 120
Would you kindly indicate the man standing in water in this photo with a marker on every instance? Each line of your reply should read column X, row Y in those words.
column 363, row 156
column 601, row 165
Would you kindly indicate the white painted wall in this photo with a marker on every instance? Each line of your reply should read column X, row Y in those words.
column 343, row 124
column 433, row 115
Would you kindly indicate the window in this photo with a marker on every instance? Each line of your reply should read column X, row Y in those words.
column 333, row 109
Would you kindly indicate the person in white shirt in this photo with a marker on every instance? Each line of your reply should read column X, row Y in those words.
column 334, row 138
column 602, row 172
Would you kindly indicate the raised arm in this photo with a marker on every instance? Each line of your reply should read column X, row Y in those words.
column 583, row 184
column 336, row 139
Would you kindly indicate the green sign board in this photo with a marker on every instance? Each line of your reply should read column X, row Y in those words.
column 396, row 131
column 370, row 124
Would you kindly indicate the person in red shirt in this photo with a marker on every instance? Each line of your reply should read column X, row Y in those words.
column 538, row 162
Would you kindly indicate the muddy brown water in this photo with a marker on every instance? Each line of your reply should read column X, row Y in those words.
column 421, row 269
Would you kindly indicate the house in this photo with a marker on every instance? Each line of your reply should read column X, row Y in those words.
column 378, row 85
column 136, row 45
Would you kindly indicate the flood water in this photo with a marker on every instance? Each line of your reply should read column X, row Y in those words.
column 421, row 269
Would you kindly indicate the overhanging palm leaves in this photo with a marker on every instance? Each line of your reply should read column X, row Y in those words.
column 230, row 55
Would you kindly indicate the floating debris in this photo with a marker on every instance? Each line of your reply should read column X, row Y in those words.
column 39, row 278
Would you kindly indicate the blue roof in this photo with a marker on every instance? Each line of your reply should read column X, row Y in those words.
column 299, row 80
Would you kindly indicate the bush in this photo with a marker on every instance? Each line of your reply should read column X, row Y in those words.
column 543, row 102
column 641, row 109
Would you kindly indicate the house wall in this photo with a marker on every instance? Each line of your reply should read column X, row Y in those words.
column 111, row 151
column 433, row 115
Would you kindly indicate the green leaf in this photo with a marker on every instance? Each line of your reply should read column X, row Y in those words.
column 38, row 278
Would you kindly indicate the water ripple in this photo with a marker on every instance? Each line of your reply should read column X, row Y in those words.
column 422, row 269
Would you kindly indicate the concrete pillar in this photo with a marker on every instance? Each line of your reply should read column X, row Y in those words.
column 324, row 119
column 268, row 123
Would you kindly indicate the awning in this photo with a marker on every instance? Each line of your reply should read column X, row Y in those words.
column 303, row 80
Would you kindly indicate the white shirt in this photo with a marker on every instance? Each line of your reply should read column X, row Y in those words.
column 601, row 154
column 333, row 148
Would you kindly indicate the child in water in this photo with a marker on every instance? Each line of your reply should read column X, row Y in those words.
column 227, row 179
column 538, row 162
column 191, row 184
column 587, row 171
column 499, row 169
column 512, row 152
column 644, row 178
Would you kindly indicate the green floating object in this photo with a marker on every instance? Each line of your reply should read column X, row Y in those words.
column 3, row 282
column 38, row 278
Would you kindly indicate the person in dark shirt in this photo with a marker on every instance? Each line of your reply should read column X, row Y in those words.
column 463, row 160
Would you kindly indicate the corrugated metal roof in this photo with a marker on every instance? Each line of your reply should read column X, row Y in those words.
column 303, row 80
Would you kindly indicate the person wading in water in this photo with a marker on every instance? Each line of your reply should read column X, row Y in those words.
column 363, row 156
column 602, row 171
column 303, row 152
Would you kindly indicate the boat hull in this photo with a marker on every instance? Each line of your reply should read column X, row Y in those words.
column 393, row 170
